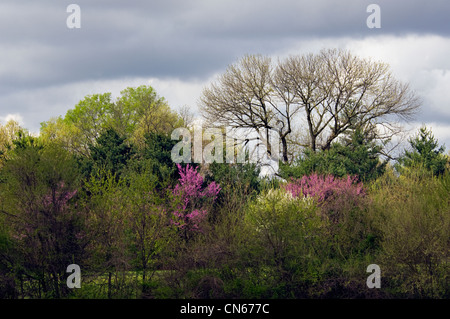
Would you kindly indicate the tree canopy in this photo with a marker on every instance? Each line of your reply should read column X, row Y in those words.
column 425, row 152
column 323, row 94
column 137, row 112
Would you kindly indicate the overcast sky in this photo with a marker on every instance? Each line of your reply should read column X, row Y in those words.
column 179, row 46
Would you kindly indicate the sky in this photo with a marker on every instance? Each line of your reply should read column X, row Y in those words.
column 180, row 46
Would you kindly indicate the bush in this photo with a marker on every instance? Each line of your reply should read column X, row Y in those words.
column 286, row 232
column 333, row 195
column 413, row 213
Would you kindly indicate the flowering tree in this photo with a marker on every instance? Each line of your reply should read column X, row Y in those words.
column 323, row 187
column 335, row 196
column 193, row 199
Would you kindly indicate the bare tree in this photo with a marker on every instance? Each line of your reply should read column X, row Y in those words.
column 186, row 115
column 330, row 92
column 248, row 96
column 338, row 90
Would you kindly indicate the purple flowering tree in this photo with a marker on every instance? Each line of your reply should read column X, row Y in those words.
column 193, row 200
column 324, row 187
column 335, row 196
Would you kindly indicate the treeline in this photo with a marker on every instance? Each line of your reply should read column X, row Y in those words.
column 98, row 188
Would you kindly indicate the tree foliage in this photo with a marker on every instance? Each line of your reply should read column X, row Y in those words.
column 98, row 188
column 358, row 155
column 137, row 112
column 110, row 153
column 425, row 152
column 39, row 184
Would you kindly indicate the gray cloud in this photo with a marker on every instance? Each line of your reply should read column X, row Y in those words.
column 180, row 38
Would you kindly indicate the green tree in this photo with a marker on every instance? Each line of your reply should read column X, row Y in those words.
column 239, row 182
column 9, row 133
column 358, row 154
column 105, row 206
column 110, row 152
column 137, row 112
column 148, row 222
column 425, row 153
column 90, row 117
column 156, row 155
column 67, row 134
column 140, row 111
column 38, row 184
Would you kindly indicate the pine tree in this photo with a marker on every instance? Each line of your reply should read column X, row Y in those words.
column 425, row 153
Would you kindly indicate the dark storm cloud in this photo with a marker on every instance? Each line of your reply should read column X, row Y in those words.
column 183, row 39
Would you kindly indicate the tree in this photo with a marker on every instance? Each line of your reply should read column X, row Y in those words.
column 8, row 133
column 156, row 156
column 110, row 153
column 425, row 153
column 192, row 201
column 38, row 186
column 246, row 96
column 358, row 154
column 329, row 92
column 140, row 111
column 238, row 182
column 148, row 220
column 137, row 112
column 105, row 205
column 90, row 117
column 67, row 134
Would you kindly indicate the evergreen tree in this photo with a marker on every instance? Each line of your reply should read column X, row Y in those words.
column 425, row 153
column 110, row 153
column 358, row 155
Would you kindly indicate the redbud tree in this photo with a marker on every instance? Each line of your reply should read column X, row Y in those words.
column 193, row 200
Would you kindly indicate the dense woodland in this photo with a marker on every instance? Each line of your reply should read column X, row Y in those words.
column 98, row 188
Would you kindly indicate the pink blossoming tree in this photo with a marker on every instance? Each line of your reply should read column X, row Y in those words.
column 193, row 200
column 334, row 195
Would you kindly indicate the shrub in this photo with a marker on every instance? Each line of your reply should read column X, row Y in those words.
column 329, row 191
column 413, row 214
column 286, row 232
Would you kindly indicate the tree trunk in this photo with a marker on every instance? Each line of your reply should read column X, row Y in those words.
column 285, row 148
column 109, row 285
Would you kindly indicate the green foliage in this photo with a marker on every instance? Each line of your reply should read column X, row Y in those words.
column 110, row 152
column 90, row 117
column 140, row 111
column 412, row 213
column 238, row 183
column 8, row 134
column 156, row 155
column 260, row 239
column 136, row 113
column 425, row 153
column 39, row 186
column 356, row 156
column 286, row 236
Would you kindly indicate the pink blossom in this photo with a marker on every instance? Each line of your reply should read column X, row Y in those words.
column 324, row 187
column 193, row 198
